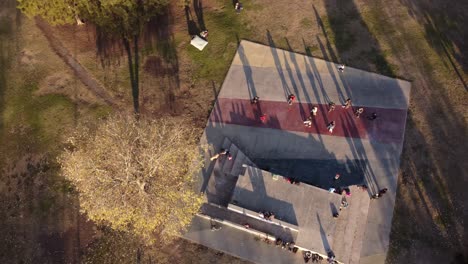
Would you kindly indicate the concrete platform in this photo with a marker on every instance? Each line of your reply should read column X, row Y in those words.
column 308, row 207
column 363, row 151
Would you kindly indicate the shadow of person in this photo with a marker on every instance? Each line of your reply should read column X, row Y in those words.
column 191, row 25
column 198, row 7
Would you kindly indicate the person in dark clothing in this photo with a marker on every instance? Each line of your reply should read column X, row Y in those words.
column 379, row 194
column 238, row 7
column 291, row 99
column 373, row 116
column 331, row 106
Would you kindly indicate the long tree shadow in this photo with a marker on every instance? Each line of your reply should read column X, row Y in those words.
column 247, row 71
column 441, row 22
column 431, row 171
column 163, row 63
column 279, row 67
column 155, row 39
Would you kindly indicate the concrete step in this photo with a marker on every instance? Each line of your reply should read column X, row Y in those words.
column 233, row 150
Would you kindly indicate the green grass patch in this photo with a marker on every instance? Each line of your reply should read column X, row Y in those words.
column 226, row 29
column 306, row 22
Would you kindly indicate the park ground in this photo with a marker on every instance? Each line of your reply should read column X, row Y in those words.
column 42, row 99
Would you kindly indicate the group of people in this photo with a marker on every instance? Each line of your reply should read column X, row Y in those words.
column 267, row 215
column 316, row 258
column 291, row 246
column 309, row 256
column 332, row 106
column 314, row 111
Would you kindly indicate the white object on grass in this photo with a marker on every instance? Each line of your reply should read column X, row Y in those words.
column 199, row 43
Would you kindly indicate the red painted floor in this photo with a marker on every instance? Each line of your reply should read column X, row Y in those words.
column 387, row 128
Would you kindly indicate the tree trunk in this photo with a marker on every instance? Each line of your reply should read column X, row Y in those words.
column 133, row 69
column 136, row 85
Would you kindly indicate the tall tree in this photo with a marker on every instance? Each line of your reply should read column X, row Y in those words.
column 136, row 175
column 117, row 18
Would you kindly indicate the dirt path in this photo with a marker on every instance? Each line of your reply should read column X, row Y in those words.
column 79, row 70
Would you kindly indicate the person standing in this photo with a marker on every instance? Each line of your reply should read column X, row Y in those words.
column 255, row 100
column 238, row 7
column 331, row 106
column 372, row 117
column 379, row 194
column 291, row 99
column 359, row 112
column 341, row 68
column 204, row 34
column 222, row 153
column 337, row 176
column 331, row 126
column 347, row 103
column 313, row 112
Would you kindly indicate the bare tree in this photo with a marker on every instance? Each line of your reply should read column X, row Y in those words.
column 136, row 175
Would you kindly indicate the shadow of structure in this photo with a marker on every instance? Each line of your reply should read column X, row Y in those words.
column 259, row 200
column 312, row 171
column 431, row 169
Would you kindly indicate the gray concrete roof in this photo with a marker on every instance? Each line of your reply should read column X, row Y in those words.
column 361, row 233
column 274, row 73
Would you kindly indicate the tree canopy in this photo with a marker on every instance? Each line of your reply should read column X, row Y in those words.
column 123, row 17
column 136, row 176
column 56, row 12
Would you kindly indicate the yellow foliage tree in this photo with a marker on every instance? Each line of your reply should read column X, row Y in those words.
column 136, row 175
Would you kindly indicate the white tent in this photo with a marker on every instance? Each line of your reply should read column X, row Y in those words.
column 199, row 43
